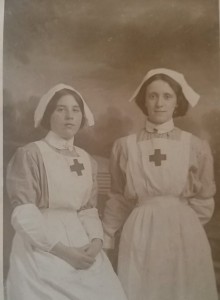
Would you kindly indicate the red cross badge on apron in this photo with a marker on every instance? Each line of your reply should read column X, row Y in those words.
column 157, row 157
column 77, row 167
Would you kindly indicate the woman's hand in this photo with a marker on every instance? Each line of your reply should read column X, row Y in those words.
column 76, row 257
column 94, row 248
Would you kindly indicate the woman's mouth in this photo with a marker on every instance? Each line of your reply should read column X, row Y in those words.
column 69, row 125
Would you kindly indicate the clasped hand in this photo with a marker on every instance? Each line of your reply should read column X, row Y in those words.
column 80, row 258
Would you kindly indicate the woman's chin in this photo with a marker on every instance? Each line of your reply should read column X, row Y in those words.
column 67, row 135
column 160, row 119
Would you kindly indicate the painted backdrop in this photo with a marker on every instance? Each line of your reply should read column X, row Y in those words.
column 103, row 49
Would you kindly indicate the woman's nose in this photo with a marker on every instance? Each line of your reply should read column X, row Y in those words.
column 69, row 114
column 159, row 101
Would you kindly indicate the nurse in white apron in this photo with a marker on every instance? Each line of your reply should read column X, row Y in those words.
column 162, row 195
column 56, row 252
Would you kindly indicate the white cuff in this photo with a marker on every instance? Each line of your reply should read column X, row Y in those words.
column 204, row 208
column 28, row 221
column 91, row 222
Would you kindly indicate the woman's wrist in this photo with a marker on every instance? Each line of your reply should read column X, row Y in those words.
column 58, row 249
column 97, row 241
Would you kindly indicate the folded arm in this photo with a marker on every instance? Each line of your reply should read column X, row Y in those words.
column 118, row 207
column 203, row 185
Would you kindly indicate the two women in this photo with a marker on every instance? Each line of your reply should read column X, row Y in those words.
column 162, row 194
column 56, row 251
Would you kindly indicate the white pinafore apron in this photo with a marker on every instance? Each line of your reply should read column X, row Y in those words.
column 164, row 253
column 47, row 277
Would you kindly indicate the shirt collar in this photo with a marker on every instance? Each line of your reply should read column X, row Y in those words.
column 59, row 143
column 161, row 128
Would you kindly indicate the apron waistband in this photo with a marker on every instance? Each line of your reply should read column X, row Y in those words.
column 162, row 200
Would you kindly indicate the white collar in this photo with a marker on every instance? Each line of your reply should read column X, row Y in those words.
column 161, row 128
column 59, row 143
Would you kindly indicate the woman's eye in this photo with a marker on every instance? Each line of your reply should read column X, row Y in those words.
column 167, row 96
column 152, row 96
column 76, row 110
column 59, row 109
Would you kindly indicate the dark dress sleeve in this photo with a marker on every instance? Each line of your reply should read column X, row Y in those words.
column 26, row 180
column 118, row 207
column 24, row 187
column 201, row 188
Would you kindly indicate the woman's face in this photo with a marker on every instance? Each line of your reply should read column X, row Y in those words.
column 160, row 101
column 66, row 119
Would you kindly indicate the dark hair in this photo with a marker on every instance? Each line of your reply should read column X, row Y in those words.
column 182, row 103
column 51, row 106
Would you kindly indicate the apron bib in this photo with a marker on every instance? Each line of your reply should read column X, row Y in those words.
column 69, row 178
column 154, row 165
column 69, row 187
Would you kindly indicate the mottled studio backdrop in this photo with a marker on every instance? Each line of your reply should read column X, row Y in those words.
column 103, row 48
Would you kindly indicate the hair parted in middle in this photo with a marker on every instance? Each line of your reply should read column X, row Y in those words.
column 45, row 123
column 182, row 103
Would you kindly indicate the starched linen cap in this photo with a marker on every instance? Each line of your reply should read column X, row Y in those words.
column 45, row 99
column 191, row 96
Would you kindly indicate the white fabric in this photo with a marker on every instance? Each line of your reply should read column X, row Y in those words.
column 91, row 223
column 204, row 208
column 72, row 184
column 28, row 221
column 164, row 252
column 160, row 179
column 159, row 128
column 75, row 190
column 59, row 143
column 38, row 274
column 191, row 96
column 39, row 112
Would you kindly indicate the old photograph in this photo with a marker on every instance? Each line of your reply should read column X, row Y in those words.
column 111, row 150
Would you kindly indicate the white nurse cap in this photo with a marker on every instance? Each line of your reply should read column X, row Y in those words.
column 45, row 99
column 191, row 96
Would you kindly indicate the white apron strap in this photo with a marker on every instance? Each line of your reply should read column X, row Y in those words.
column 75, row 174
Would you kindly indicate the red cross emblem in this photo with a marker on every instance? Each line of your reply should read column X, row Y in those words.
column 157, row 157
column 77, row 167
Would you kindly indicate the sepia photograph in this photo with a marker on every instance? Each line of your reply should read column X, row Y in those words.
column 111, row 150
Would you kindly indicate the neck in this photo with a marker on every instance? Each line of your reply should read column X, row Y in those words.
column 58, row 137
column 159, row 128
column 58, row 142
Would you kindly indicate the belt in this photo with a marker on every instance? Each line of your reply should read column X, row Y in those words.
column 161, row 200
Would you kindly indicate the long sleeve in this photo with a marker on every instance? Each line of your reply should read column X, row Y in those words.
column 118, row 207
column 89, row 214
column 25, row 191
column 201, row 181
column 28, row 221
column 22, row 179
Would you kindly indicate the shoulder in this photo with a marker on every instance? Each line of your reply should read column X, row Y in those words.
column 194, row 140
column 122, row 143
column 199, row 146
column 29, row 150
column 199, row 143
column 30, row 147
column 25, row 157
column 120, row 146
